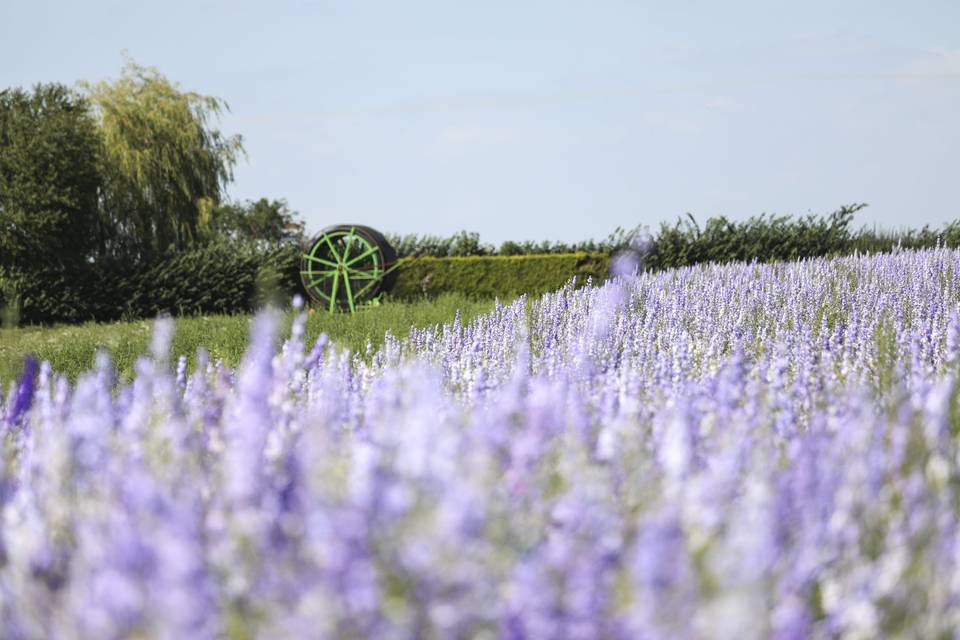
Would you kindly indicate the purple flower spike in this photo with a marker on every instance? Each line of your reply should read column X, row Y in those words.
column 725, row 451
column 316, row 353
column 23, row 397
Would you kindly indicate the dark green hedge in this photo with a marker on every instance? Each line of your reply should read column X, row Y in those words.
column 490, row 276
column 213, row 280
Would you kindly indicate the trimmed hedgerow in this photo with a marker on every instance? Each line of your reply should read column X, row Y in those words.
column 220, row 279
column 495, row 276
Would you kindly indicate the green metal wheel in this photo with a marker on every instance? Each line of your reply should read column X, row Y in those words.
column 347, row 265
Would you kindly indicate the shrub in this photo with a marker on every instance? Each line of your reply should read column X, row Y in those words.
column 221, row 278
column 763, row 238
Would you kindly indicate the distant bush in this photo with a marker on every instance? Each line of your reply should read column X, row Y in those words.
column 772, row 238
column 463, row 243
column 873, row 241
column 221, row 279
column 467, row 243
column 763, row 238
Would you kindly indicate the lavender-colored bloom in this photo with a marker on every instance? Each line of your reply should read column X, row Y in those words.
column 725, row 451
column 316, row 353
column 23, row 397
column 250, row 418
column 182, row 371
column 625, row 265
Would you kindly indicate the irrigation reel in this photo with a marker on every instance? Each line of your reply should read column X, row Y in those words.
column 347, row 266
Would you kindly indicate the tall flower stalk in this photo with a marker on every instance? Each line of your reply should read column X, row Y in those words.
column 740, row 451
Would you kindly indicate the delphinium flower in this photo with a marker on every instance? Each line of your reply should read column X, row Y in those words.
column 141, row 568
column 717, row 451
column 665, row 589
column 22, row 394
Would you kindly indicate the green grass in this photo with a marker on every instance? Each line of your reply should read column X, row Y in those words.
column 70, row 349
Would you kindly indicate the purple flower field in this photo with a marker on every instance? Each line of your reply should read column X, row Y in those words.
column 743, row 451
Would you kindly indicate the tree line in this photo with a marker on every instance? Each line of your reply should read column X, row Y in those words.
column 119, row 171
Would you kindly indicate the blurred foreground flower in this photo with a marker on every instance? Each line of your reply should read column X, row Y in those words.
column 734, row 451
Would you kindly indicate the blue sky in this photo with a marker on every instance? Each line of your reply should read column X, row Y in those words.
column 546, row 120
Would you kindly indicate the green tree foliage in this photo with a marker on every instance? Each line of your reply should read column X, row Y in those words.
column 264, row 222
column 48, row 187
column 462, row 243
column 467, row 243
column 48, row 178
column 164, row 166
column 762, row 238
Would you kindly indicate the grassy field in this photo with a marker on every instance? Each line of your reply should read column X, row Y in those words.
column 71, row 349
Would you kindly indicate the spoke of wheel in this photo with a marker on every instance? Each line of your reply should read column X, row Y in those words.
column 346, row 285
column 358, row 274
column 333, row 250
column 320, row 260
column 364, row 290
column 314, row 283
column 333, row 293
column 311, row 273
column 346, row 247
column 368, row 252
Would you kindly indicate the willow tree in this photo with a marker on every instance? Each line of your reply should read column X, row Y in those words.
column 163, row 164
